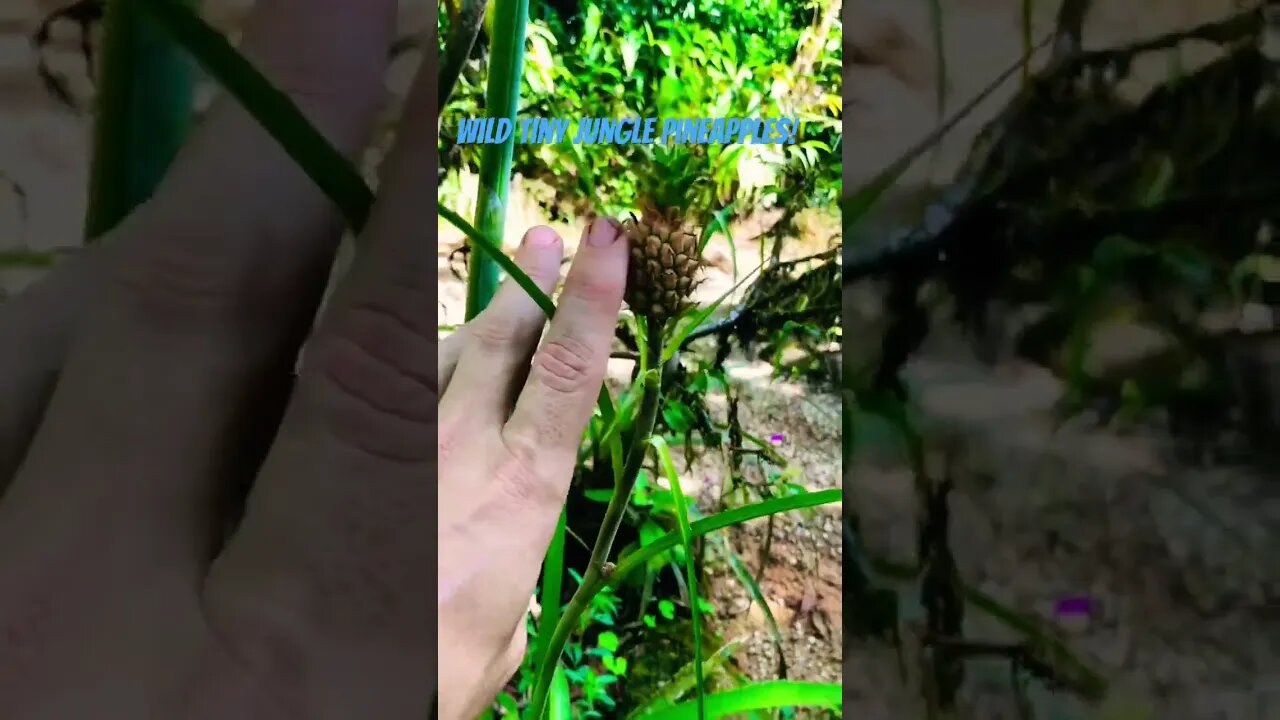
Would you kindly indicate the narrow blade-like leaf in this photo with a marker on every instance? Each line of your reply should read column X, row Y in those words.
column 720, row 521
column 271, row 107
column 690, row 564
column 761, row 696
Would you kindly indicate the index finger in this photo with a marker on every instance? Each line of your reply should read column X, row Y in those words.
column 569, row 367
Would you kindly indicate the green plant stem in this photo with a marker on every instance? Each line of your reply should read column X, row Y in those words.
column 145, row 105
column 502, row 99
column 595, row 578
column 274, row 110
column 463, row 30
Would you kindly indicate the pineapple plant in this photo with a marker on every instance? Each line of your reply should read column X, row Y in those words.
column 664, row 238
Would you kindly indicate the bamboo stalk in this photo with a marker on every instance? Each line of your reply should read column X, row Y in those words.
column 144, row 109
column 502, row 99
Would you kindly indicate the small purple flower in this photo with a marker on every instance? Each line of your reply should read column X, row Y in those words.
column 777, row 439
column 1074, row 606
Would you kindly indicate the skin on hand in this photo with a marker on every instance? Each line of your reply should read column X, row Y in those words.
column 508, row 441
column 148, row 380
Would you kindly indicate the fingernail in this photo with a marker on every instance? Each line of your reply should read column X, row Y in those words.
column 540, row 236
column 602, row 233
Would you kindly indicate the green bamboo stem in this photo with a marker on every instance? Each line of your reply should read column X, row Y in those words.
column 502, row 100
column 597, row 576
column 145, row 104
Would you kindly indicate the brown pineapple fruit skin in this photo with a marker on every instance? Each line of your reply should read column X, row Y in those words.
column 664, row 264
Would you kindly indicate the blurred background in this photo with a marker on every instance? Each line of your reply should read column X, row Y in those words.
column 1061, row 469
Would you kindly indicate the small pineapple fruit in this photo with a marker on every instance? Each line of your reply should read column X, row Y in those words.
column 665, row 257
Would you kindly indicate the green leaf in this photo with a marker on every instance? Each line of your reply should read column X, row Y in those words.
column 552, row 574
column 625, row 414
column 757, row 596
column 607, row 641
column 690, row 563
column 599, row 495
column 559, row 702
column 677, row 341
column 667, row 609
column 24, row 258
column 271, row 107
column 720, row 521
column 651, row 531
column 719, row 221
column 682, row 682
column 630, row 50
column 761, row 696
column 616, row 665
column 508, row 704
column 328, row 168
column 669, row 93
column 678, row 416
column 145, row 108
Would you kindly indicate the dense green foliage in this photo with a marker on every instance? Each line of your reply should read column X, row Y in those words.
column 668, row 59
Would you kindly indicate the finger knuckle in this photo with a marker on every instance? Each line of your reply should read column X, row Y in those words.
column 182, row 278
column 564, row 365
column 254, row 634
column 375, row 368
column 448, row 444
column 518, row 477
column 493, row 334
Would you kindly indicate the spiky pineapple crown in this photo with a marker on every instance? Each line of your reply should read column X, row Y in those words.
column 671, row 180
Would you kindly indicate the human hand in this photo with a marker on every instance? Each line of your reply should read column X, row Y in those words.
column 146, row 382
column 508, row 441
